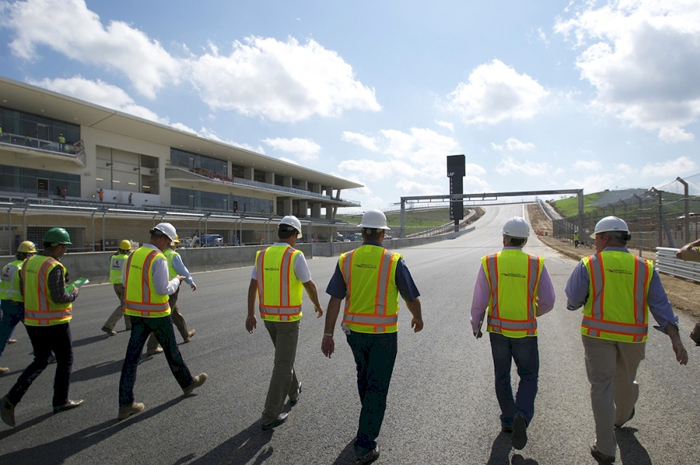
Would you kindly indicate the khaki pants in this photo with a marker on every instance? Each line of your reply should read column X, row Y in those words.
column 612, row 368
column 178, row 321
column 284, row 382
column 119, row 311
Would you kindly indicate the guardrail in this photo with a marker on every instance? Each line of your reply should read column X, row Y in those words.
column 666, row 262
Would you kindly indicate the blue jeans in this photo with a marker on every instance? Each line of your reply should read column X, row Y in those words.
column 47, row 339
column 12, row 315
column 375, row 355
column 162, row 327
column 525, row 353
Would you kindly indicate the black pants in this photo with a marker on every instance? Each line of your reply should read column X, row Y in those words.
column 45, row 339
column 375, row 355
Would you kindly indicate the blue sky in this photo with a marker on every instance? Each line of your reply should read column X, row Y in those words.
column 536, row 94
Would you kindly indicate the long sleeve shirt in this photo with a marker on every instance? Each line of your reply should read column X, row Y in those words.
column 659, row 306
column 404, row 281
column 482, row 293
column 159, row 270
column 181, row 269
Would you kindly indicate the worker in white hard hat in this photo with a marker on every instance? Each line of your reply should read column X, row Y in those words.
column 150, row 313
column 12, row 305
column 278, row 279
column 512, row 289
column 175, row 267
column 617, row 290
column 371, row 279
column 116, row 267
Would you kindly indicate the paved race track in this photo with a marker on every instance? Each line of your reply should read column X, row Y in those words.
column 441, row 406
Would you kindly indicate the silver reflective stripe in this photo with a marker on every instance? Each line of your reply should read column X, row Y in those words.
column 146, row 306
column 145, row 273
column 42, row 315
column 514, row 325
column 384, row 280
column 346, row 271
column 372, row 320
column 259, row 263
column 613, row 327
column 280, row 310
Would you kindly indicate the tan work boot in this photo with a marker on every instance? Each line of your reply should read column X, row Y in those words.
column 128, row 410
column 197, row 381
column 4, row 370
column 190, row 333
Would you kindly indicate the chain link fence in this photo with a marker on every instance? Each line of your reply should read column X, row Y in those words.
column 664, row 216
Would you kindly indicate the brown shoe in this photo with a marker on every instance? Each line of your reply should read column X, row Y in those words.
column 128, row 410
column 155, row 351
column 4, row 370
column 197, row 381
column 7, row 411
column 110, row 332
column 70, row 404
column 190, row 333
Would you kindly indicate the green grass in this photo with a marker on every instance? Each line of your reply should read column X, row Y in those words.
column 418, row 217
column 569, row 207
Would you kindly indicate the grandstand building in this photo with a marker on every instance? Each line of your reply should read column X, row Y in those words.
column 58, row 153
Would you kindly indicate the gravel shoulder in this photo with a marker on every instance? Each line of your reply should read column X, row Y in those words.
column 682, row 293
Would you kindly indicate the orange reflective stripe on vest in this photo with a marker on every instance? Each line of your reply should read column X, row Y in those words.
column 279, row 290
column 140, row 298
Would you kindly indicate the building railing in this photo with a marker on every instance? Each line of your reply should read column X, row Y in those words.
column 217, row 177
column 75, row 150
column 666, row 262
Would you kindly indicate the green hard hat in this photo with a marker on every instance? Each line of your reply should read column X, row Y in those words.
column 57, row 236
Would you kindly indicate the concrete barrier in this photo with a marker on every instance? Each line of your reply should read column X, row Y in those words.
column 95, row 265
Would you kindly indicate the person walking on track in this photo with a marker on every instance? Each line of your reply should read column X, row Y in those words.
column 370, row 279
column 514, row 288
column 279, row 276
column 116, row 267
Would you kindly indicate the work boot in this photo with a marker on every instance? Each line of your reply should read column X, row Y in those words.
column 190, row 333
column 4, row 370
column 197, row 381
column 128, row 410
column 7, row 411
column 155, row 351
column 110, row 332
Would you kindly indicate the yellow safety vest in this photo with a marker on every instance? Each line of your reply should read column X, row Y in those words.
column 513, row 278
column 279, row 290
column 116, row 264
column 372, row 298
column 617, row 309
column 170, row 255
column 9, row 283
column 140, row 296
column 39, row 309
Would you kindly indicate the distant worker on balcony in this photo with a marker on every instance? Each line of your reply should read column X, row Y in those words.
column 617, row 290
column 11, row 295
column 116, row 271
column 48, row 305
column 175, row 267
column 101, row 194
column 61, row 143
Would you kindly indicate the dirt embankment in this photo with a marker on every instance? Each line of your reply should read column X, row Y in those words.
column 682, row 293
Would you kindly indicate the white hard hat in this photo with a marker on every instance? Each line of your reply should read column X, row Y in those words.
column 293, row 221
column 516, row 227
column 610, row 224
column 374, row 219
column 167, row 229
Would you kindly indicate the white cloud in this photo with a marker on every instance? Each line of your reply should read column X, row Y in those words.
column 623, row 169
column 70, row 28
column 587, row 165
column 593, row 183
column 513, row 145
column 99, row 93
column 642, row 58
column 304, row 149
column 494, row 93
column 280, row 81
column 410, row 188
column 374, row 170
column 362, row 140
column 445, row 124
column 670, row 168
column 510, row 165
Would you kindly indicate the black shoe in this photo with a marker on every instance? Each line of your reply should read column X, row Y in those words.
column 281, row 418
column 601, row 457
column 293, row 402
column 623, row 423
column 369, row 457
column 7, row 411
column 71, row 404
column 506, row 429
column 519, row 438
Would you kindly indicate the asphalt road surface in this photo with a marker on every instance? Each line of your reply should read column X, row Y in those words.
column 441, row 407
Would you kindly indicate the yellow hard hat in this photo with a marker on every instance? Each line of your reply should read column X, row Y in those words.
column 27, row 247
column 176, row 240
column 125, row 245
